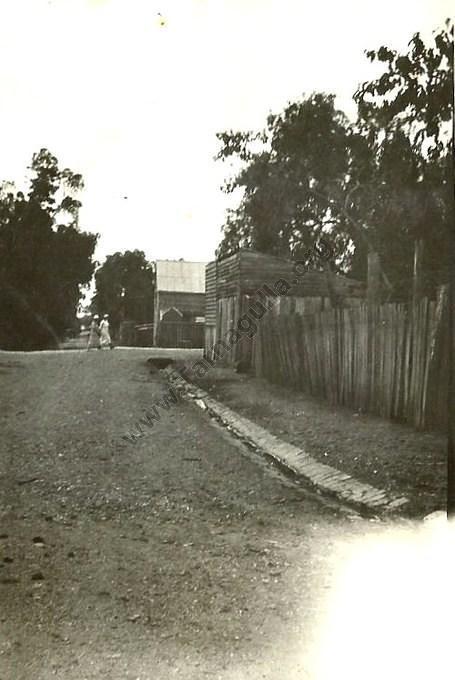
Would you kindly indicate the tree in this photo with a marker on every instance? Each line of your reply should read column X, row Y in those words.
column 415, row 93
column 44, row 261
column 385, row 180
column 290, row 170
column 125, row 285
column 405, row 115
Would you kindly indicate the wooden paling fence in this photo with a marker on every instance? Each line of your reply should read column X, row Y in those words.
column 389, row 359
column 180, row 334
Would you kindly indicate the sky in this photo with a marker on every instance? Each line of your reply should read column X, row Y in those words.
column 131, row 93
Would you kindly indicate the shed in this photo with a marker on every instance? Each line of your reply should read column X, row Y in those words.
column 239, row 280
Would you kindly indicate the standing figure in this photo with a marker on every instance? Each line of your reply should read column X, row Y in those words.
column 105, row 338
column 94, row 336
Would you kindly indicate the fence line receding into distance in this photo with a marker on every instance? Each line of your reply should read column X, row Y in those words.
column 389, row 359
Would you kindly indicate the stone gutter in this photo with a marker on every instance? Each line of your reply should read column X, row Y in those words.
column 323, row 478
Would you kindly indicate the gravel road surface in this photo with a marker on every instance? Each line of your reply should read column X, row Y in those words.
column 183, row 554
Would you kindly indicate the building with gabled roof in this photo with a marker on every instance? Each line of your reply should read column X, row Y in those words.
column 179, row 303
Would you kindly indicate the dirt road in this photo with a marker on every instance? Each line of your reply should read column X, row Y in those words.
column 181, row 555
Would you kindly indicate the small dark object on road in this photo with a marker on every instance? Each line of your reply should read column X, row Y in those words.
column 159, row 363
column 37, row 540
column 37, row 576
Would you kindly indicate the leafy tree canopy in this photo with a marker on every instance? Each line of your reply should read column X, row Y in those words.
column 44, row 262
column 405, row 115
column 289, row 170
column 378, row 184
column 414, row 93
column 125, row 287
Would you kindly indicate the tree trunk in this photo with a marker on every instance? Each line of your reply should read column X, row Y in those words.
column 374, row 278
column 417, row 280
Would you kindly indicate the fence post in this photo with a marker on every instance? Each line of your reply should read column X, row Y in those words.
column 418, row 327
column 374, row 277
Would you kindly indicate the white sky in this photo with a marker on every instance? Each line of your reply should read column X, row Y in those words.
column 134, row 105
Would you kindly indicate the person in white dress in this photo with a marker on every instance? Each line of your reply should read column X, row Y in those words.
column 105, row 337
column 94, row 335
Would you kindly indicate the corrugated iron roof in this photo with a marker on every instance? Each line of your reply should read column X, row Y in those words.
column 180, row 276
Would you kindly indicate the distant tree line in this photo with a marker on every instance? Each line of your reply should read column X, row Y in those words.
column 125, row 288
column 378, row 184
column 45, row 259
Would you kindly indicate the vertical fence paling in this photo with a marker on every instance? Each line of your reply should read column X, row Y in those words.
column 385, row 359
